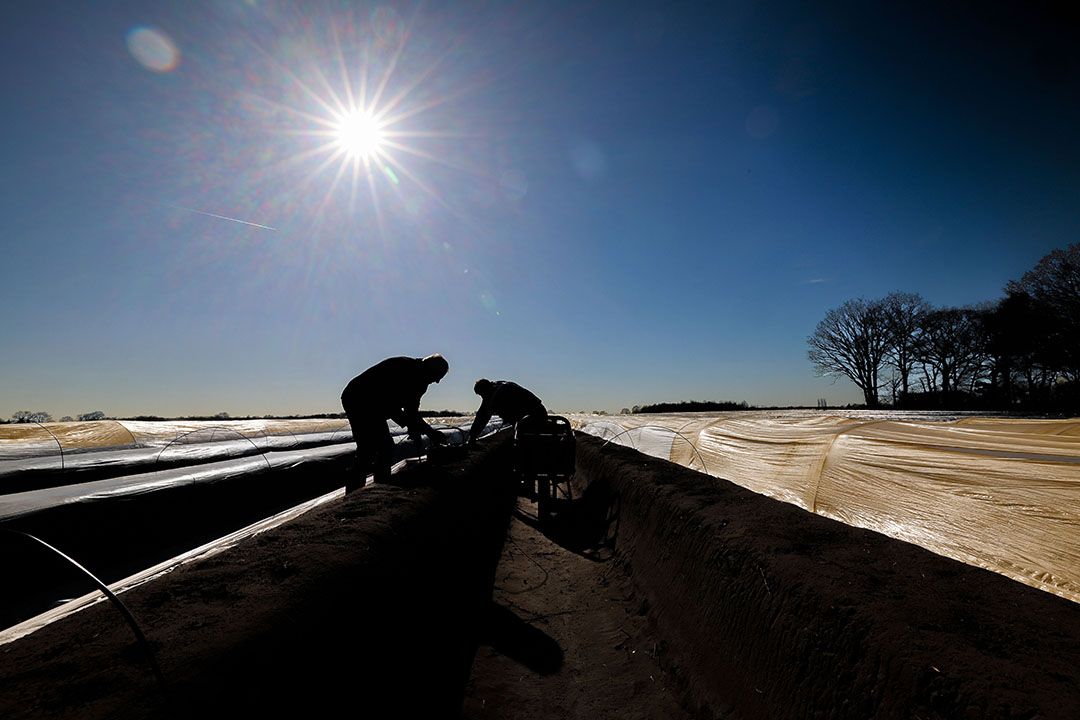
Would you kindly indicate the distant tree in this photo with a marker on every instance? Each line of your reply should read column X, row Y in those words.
column 930, row 377
column 852, row 341
column 692, row 406
column 980, row 374
column 26, row 416
column 1023, row 342
column 951, row 344
column 1003, row 330
column 92, row 415
column 893, row 385
column 67, row 418
column 1054, row 288
column 1031, row 338
column 221, row 416
column 903, row 313
column 624, row 411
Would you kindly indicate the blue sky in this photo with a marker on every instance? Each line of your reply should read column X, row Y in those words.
column 611, row 203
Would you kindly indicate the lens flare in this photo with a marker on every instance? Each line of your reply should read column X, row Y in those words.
column 153, row 49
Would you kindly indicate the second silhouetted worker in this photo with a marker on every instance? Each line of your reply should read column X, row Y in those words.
column 508, row 400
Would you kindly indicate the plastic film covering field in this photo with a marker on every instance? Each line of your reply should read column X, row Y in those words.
column 1002, row 494
column 98, row 443
column 72, row 445
column 43, row 465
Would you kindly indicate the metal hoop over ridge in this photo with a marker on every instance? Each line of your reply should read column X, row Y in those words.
column 178, row 438
column 701, row 460
column 56, row 440
column 109, row 594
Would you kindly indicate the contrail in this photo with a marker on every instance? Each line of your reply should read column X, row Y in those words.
column 219, row 217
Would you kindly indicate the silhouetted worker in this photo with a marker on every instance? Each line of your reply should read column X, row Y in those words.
column 506, row 399
column 389, row 389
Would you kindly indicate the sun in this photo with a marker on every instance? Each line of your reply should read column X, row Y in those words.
column 368, row 128
column 358, row 134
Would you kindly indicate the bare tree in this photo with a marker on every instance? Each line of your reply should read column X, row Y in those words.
column 929, row 379
column 92, row 415
column 904, row 313
column 892, row 384
column 952, row 345
column 851, row 341
column 1054, row 288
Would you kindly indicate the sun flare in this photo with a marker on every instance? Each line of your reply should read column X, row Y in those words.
column 359, row 134
column 369, row 128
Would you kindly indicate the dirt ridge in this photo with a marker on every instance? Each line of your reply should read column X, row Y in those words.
column 773, row 612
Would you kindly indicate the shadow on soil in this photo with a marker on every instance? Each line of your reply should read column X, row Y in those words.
column 586, row 524
column 513, row 637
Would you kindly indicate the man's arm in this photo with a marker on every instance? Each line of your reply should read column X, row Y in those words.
column 417, row 424
column 400, row 418
column 483, row 415
column 435, row 435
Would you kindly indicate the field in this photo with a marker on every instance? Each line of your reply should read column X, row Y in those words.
column 656, row 591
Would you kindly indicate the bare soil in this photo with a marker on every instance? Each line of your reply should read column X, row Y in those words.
column 568, row 637
column 769, row 611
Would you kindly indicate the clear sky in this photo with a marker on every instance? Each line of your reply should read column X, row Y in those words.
column 611, row 203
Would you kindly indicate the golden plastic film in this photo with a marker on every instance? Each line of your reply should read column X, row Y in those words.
column 27, row 440
column 91, row 434
column 998, row 493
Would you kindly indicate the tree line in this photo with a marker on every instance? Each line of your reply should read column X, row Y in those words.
column 687, row 406
column 41, row 416
column 1021, row 351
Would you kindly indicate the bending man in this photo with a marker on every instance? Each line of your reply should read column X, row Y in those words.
column 391, row 390
column 506, row 399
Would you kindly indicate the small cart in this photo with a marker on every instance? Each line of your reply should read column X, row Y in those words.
column 544, row 451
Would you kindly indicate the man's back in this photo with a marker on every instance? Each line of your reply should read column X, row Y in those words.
column 512, row 402
column 387, row 385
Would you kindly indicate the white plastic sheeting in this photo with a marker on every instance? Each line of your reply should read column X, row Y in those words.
column 23, row 503
column 119, row 443
column 197, row 452
column 1003, row 494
